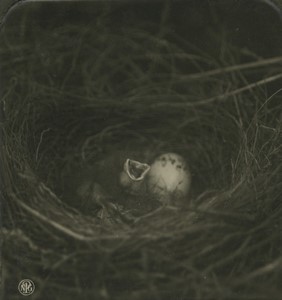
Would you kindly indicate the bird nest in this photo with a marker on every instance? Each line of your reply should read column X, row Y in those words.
column 76, row 100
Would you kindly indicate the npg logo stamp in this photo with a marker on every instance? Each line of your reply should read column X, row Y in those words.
column 26, row 287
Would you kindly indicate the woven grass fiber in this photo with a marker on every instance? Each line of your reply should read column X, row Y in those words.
column 78, row 99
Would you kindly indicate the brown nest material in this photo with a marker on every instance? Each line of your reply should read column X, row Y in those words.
column 76, row 96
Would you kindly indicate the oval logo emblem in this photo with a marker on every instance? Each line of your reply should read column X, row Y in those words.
column 26, row 287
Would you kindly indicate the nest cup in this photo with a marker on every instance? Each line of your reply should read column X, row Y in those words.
column 85, row 98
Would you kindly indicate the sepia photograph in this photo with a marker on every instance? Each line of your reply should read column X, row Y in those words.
column 141, row 150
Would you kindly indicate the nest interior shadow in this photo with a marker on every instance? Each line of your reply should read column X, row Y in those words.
column 84, row 91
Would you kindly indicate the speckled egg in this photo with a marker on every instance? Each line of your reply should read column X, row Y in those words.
column 169, row 176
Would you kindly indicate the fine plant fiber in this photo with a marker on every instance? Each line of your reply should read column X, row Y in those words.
column 76, row 95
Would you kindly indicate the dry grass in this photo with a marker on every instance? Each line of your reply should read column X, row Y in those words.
column 77, row 95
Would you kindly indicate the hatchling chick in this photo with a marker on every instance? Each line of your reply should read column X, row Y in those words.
column 132, row 176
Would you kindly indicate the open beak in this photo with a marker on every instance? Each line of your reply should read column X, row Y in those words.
column 136, row 170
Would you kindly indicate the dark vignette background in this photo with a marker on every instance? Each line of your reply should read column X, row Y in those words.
column 253, row 25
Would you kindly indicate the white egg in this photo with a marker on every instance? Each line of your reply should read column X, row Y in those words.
column 169, row 176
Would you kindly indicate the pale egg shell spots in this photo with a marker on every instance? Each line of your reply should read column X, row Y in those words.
column 169, row 174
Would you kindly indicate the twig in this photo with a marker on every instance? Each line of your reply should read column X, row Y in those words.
column 54, row 224
column 225, row 214
column 255, row 64
column 219, row 97
column 67, row 231
column 275, row 265
column 40, row 141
